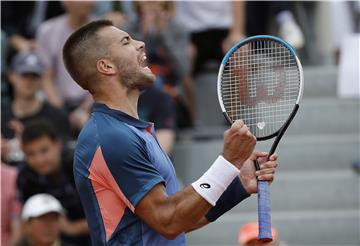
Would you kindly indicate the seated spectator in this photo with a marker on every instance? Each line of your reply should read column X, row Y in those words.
column 59, row 88
column 10, row 207
column 166, row 49
column 48, row 171
column 248, row 236
column 42, row 221
column 156, row 106
column 25, row 75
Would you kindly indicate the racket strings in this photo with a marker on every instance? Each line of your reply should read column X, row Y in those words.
column 260, row 84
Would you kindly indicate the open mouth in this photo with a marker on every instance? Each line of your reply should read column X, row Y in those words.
column 143, row 61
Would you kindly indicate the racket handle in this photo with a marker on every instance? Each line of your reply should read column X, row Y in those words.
column 264, row 211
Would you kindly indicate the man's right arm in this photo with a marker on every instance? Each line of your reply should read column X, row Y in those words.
column 172, row 215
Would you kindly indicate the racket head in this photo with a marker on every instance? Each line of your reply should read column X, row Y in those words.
column 260, row 81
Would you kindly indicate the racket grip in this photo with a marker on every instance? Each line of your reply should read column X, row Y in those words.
column 264, row 211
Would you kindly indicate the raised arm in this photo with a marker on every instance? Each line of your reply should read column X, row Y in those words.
column 182, row 212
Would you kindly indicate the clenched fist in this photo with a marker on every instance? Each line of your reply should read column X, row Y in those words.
column 239, row 143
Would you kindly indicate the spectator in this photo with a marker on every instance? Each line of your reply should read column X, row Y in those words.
column 48, row 171
column 261, row 13
column 42, row 218
column 214, row 26
column 157, row 106
column 58, row 86
column 166, row 46
column 248, row 236
column 25, row 76
column 111, row 10
column 20, row 20
column 10, row 207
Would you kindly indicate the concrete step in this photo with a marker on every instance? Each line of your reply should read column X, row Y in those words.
column 320, row 83
column 326, row 116
column 322, row 115
column 310, row 190
column 327, row 227
column 315, row 116
column 296, row 153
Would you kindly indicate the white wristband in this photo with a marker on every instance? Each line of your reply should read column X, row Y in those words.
column 215, row 180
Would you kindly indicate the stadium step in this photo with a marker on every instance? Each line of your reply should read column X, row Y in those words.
column 317, row 116
column 304, row 190
column 339, row 115
column 327, row 227
column 320, row 83
column 296, row 153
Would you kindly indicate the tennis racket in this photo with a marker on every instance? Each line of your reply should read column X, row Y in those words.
column 261, row 82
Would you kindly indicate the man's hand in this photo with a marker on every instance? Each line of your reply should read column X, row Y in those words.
column 248, row 173
column 239, row 144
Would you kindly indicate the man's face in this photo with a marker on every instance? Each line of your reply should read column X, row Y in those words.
column 129, row 57
column 25, row 85
column 43, row 230
column 43, row 155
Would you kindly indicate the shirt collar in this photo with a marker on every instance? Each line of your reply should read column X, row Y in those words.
column 100, row 107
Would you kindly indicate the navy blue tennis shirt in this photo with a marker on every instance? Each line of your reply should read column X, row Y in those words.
column 117, row 162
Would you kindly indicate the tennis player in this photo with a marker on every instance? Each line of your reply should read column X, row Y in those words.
column 126, row 182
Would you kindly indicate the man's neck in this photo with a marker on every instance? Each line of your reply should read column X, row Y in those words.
column 23, row 107
column 123, row 100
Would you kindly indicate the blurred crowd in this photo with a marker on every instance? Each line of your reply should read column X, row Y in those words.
column 43, row 109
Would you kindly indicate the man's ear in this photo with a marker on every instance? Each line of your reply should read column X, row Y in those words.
column 105, row 67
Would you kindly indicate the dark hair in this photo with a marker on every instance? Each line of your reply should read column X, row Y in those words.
column 81, row 51
column 38, row 128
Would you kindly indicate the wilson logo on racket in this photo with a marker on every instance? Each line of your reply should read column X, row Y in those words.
column 253, row 90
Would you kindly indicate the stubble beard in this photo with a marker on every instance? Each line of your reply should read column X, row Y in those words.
column 134, row 78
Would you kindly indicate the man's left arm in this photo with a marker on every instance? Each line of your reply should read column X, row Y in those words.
column 242, row 187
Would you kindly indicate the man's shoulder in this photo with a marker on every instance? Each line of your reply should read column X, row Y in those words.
column 110, row 127
column 105, row 131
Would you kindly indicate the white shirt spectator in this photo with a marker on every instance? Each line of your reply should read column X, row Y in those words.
column 51, row 37
column 203, row 15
